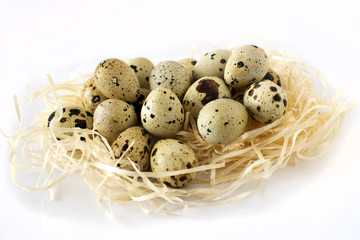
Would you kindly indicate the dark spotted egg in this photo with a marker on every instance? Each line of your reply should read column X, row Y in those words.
column 222, row 121
column 115, row 79
column 212, row 64
column 162, row 114
column 142, row 68
column 133, row 143
column 247, row 64
column 189, row 64
column 91, row 96
column 112, row 117
column 265, row 101
column 173, row 155
column 272, row 76
column 203, row 91
column 171, row 75
column 70, row 117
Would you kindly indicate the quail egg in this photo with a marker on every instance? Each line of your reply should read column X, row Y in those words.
column 91, row 96
column 222, row 121
column 173, row 155
column 115, row 79
column 272, row 76
column 212, row 64
column 142, row 68
column 112, row 117
column 203, row 91
column 265, row 101
column 133, row 143
column 70, row 117
column 171, row 75
column 189, row 64
column 162, row 114
column 247, row 64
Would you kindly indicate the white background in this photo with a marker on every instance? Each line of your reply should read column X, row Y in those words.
column 315, row 200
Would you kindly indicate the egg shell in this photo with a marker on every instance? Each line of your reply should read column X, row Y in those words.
column 144, row 92
column 272, row 76
column 212, row 64
column 171, row 75
column 142, row 68
column 162, row 114
column 133, row 143
column 70, row 117
column 247, row 64
column 189, row 64
column 91, row 96
column 265, row 101
column 173, row 155
column 202, row 92
column 115, row 79
column 222, row 121
column 112, row 117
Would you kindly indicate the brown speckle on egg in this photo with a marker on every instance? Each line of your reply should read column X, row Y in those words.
column 202, row 92
column 173, row 155
column 266, row 108
column 219, row 126
column 139, row 152
column 115, row 79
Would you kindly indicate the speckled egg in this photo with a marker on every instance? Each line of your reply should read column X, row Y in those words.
column 171, row 75
column 142, row 68
column 71, row 117
column 202, row 92
column 112, row 117
column 189, row 64
column 272, row 76
column 265, row 101
column 91, row 96
column 212, row 64
column 247, row 64
column 222, row 121
column 162, row 114
column 115, row 79
column 144, row 92
column 173, row 155
column 133, row 143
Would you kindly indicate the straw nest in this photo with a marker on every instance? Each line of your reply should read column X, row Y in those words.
column 226, row 173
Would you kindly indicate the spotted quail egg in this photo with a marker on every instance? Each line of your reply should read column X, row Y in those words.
column 162, row 114
column 222, row 121
column 112, row 117
column 142, row 68
column 272, row 76
column 246, row 65
column 70, row 117
column 133, row 143
column 144, row 92
column 115, row 79
column 203, row 91
column 265, row 101
column 171, row 75
column 173, row 155
column 91, row 97
column 212, row 64
column 189, row 64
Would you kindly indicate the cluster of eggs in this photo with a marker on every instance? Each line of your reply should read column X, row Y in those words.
column 135, row 104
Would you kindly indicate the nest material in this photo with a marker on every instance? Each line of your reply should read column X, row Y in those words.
column 226, row 172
